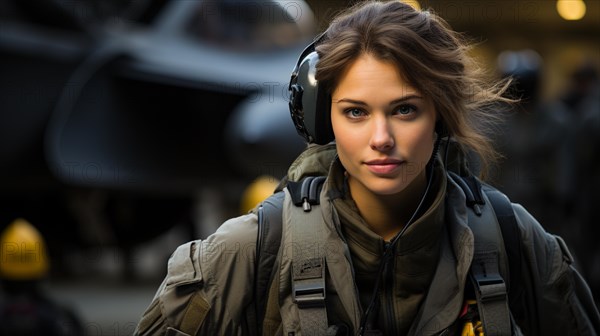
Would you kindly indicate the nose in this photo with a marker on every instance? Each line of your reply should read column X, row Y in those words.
column 382, row 138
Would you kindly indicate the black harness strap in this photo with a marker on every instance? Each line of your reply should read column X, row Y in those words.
column 304, row 193
column 512, row 244
column 490, row 288
column 267, row 247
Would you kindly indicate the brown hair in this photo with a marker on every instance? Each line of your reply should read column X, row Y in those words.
column 430, row 55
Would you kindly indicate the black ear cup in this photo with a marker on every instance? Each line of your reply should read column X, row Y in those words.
column 309, row 106
column 303, row 93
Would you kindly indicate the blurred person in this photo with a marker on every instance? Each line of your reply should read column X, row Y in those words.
column 589, row 178
column 25, row 310
column 519, row 173
column 391, row 241
column 575, row 115
column 530, row 170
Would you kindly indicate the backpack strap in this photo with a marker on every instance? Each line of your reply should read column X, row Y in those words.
column 490, row 288
column 308, row 269
column 308, row 255
column 512, row 244
column 267, row 246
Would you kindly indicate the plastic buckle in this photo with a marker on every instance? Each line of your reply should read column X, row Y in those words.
column 309, row 295
column 491, row 287
column 308, row 283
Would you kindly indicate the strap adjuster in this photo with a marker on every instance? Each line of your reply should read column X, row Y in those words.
column 491, row 287
column 309, row 295
column 489, row 283
column 308, row 283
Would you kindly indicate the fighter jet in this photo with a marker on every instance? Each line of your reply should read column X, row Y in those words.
column 113, row 117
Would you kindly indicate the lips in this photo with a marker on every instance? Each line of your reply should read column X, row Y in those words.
column 383, row 166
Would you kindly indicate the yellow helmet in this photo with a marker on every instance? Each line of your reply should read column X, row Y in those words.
column 261, row 188
column 23, row 252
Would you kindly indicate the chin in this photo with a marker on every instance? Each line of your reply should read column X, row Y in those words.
column 387, row 186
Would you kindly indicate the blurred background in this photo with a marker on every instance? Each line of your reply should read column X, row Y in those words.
column 128, row 127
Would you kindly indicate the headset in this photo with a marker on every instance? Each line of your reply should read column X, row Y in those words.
column 310, row 107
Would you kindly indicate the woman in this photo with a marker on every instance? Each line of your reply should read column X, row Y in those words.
column 386, row 82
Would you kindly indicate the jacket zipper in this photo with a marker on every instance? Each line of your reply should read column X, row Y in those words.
column 388, row 293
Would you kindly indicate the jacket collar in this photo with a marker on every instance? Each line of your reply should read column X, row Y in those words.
column 445, row 296
column 446, row 292
column 417, row 252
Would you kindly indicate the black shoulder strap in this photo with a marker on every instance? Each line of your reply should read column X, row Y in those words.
column 512, row 244
column 306, row 193
column 267, row 246
column 484, row 269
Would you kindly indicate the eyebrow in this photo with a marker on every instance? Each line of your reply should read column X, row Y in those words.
column 362, row 103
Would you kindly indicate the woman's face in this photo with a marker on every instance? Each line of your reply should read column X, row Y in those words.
column 383, row 126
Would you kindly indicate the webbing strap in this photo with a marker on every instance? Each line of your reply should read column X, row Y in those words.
column 490, row 291
column 490, row 287
column 268, row 243
column 308, row 268
column 512, row 243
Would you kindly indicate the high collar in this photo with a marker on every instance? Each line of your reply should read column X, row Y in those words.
column 425, row 228
column 417, row 252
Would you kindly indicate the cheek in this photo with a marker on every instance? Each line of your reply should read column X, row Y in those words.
column 420, row 143
column 347, row 143
column 344, row 144
column 341, row 134
column 426, row 145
